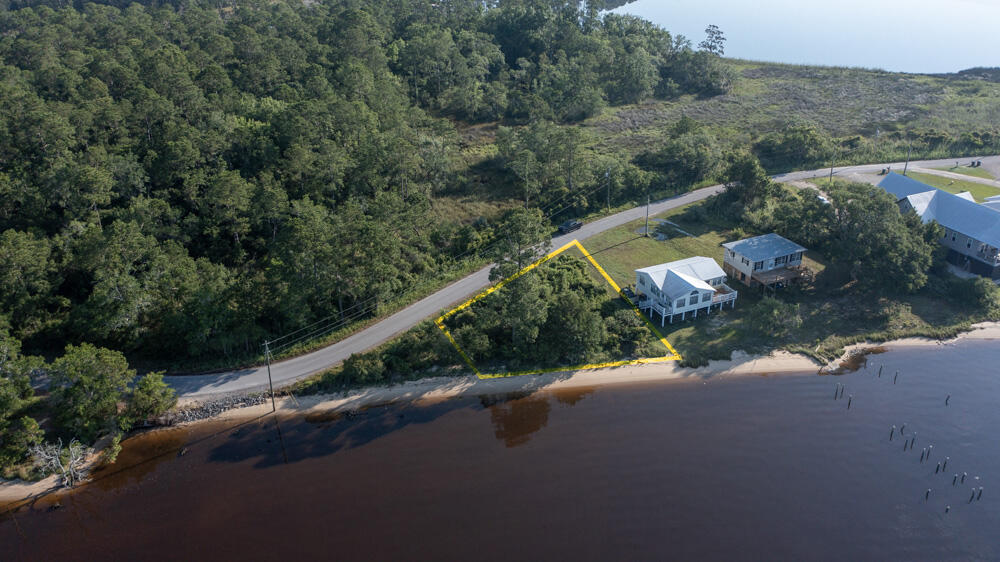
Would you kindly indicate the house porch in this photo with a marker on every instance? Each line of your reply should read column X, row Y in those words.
column 723, row 295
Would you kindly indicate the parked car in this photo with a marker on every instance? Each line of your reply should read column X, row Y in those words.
column 569, row 226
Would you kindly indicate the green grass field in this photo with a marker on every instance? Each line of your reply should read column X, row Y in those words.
column 979, row 191
column 967, row 171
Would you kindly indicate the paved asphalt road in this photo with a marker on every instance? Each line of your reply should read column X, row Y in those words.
column 291, row 370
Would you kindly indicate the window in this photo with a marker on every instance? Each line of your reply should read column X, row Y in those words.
column 706, row 297
column 642, row 281
column 782, row 259
column 681, row 303
column 968, row 243
column 757, row 266
column 695, row 295
column 746, row 261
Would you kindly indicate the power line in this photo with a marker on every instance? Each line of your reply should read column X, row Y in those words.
column 340, row 313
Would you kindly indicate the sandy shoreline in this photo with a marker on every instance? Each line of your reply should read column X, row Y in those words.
column 442, row 388
column 741, row 364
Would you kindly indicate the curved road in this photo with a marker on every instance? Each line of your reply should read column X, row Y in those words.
column 291, row 370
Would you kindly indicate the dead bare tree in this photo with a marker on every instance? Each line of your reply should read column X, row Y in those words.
column 50, row 458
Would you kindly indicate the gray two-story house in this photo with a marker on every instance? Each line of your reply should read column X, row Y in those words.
column 767, row 260
column 971, row 230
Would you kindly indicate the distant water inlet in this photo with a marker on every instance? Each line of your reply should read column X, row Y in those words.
column 868, row 465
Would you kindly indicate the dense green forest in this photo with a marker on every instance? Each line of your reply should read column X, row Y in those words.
column 186, row 180
column 183, row 180
column 180, row 181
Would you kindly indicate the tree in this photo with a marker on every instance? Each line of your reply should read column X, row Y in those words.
column 882, row 249
column 89, row 383
column 17, row 436
column 576, row 330
column 149, row 398
column 523, row 312
column 695, row 72
column 746, row 181
column 685, row 160
column 26, row 269
column 544, row 156
column 521, row 238
column 795, row 147
column 18, row 439
column 715, row 41
column 69, row 463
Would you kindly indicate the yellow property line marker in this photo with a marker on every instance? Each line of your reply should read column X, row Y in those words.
column 672, row 356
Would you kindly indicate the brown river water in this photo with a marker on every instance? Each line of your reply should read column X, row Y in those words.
column 769, row 467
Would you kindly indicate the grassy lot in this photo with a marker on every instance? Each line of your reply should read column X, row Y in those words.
column 840, row 101
column 967, row 171
column 826, row 315
column 979, row 191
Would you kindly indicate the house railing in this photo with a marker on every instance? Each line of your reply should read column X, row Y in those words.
column 649, row 304
column 989, row 257
column 723, row 294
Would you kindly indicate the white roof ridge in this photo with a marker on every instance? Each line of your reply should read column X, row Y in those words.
column 690, row 280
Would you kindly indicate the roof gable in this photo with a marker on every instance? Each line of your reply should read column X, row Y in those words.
column 959, row 214
column 955, row 212
column 698, row 267
column 678, row 284
column 678, row 278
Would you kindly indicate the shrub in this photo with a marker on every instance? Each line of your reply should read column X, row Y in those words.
column 364, row 368
column 150, row 397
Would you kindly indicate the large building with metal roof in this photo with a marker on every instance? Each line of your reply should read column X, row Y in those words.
column 972, row 231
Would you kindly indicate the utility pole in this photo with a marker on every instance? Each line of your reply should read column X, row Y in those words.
column 645, row 231
column 607, row 182
column 907, row 165
column 267, row 356
column 833, row 161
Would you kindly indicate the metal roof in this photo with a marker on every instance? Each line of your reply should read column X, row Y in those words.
column 764, row 247
column 955, row 212
column 993, row 205
column 678, row 278
column 902, row 186
column 699, row 267
column 958, row 214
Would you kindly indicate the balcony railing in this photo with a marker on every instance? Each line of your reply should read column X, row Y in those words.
column 989, row 257
column 723, row 294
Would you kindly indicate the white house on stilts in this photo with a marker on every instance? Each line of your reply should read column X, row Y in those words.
column 682, row 287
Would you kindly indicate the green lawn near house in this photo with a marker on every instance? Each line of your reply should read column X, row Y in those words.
column 967, row 171
column 978, row 190
column 818, row 320
column 622, row 250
